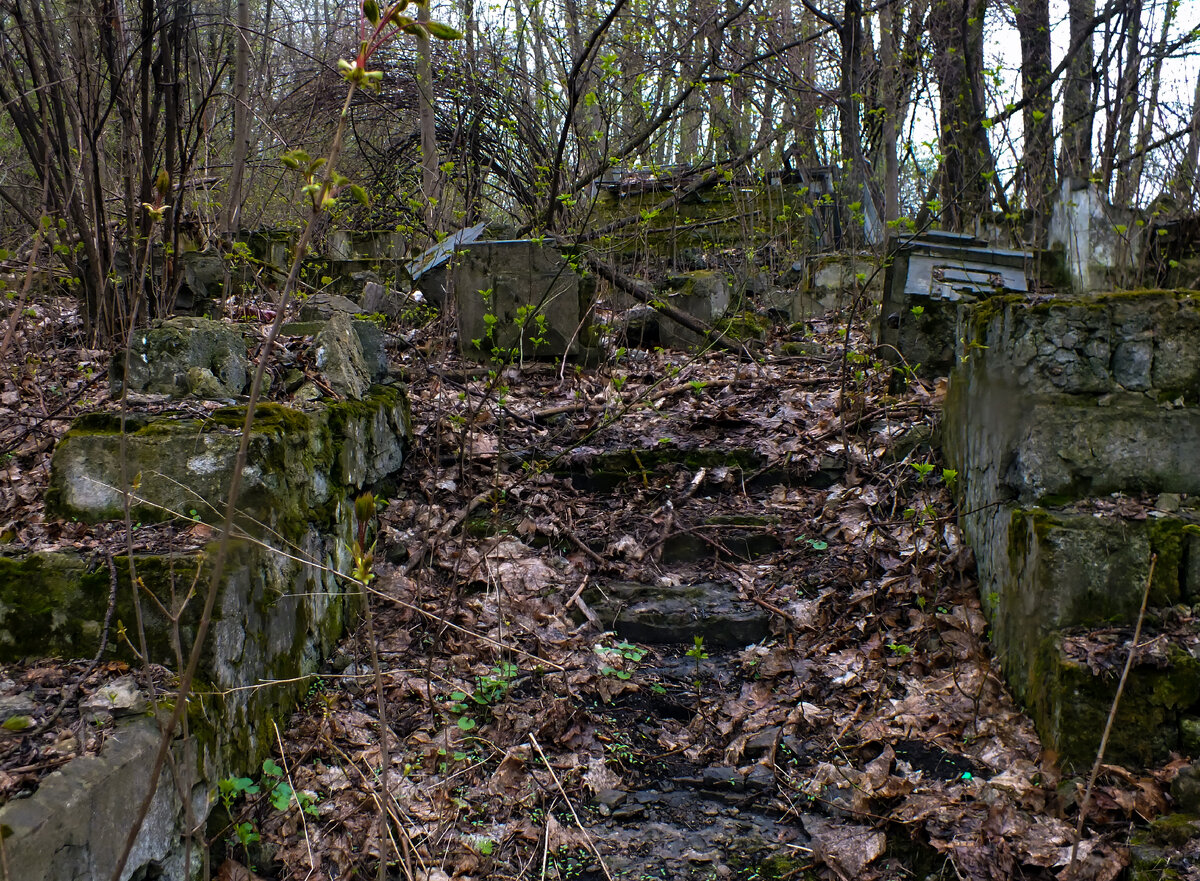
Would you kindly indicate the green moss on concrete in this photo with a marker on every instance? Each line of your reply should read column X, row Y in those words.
column 1070, row 706
column 268, row 416
column 744, row 326
column 1154, row 849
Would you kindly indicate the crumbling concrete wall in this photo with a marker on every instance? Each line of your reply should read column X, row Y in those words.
column 282, row 605
column 1099, row 242
column 1053, row 407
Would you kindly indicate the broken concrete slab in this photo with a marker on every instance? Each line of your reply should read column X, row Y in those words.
column 1098, row 241
column 519, row 300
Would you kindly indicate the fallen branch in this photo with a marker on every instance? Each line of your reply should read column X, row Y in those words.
column 639, row 292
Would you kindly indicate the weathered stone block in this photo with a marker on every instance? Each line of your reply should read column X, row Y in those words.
column 832, row 282
column 704, row 295
column 1053, row 404
column 298, row 461
column 162, row 355
column 518, row 300
column 277, row 616
column 1037, row 411
column 1044, row 571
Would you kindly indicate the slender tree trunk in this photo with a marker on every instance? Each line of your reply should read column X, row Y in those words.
column 1129, row 175
column 1124, row 109
column 1185, row 184
column 1075, row 160
column 428, row 121
column 1033, row 27
column 956, row 27
column 889, row 77
column 241, row 121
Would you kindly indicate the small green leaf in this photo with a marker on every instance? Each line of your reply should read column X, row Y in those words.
column 360, row 195
column 17, row 723
column 443, row 31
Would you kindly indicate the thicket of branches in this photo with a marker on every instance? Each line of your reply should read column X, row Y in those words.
column 518, row 121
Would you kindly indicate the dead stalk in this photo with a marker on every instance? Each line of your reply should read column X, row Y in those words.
column 591, row 844
column 1112, row 715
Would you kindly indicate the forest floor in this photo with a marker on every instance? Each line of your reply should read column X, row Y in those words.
column 831, row 711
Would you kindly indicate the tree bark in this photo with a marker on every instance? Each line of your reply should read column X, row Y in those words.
column 1075, row 161
column 241, row 121
column 1033, row 28
column 956, row 27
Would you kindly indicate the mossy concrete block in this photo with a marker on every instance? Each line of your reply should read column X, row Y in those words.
column 1044, row 571
column 298, row 463
column 49, row 602
column 702, row 294
column 162, row 355
column 277, row 616
column 75, row 825
column 519, row 300
column 1139, row 341
column 1070, row 703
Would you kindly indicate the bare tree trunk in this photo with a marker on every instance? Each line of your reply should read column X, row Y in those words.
column 1075, row 160
column 428, row 121
column 889, row 78
column 241, row 121
column 956, row 27
column 1033, row 27
column 1129, row 175
column 1123, row 111
column 1185, row 187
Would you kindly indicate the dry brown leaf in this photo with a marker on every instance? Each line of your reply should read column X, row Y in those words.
column 845, row 848
column 231, row 870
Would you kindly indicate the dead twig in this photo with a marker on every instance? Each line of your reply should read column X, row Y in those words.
column 1112, row 715
column 586, row 837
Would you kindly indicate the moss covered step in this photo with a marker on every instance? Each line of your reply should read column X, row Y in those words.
column 301, row 462
column 679, row 613
column 1075, row 682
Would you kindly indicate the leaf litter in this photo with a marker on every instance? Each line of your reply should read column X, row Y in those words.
column 867, row 733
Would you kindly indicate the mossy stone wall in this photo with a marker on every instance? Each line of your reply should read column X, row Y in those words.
column 1053, row 407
